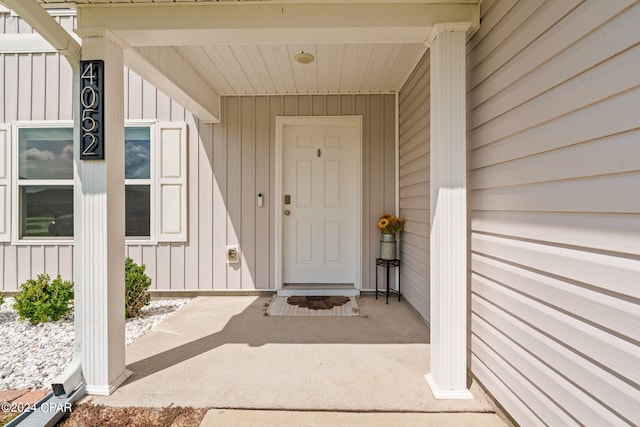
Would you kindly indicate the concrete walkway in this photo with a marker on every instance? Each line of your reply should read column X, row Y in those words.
column 223, row 352
column 245, row 418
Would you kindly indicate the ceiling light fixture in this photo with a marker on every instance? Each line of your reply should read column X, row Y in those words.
column 304, row 58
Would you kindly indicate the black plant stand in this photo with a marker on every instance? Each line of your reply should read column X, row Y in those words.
column 387, row 264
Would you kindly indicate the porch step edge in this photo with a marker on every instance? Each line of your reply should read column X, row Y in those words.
column 318, row 292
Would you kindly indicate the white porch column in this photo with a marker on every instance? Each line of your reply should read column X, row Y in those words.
column 448, row 376
column 99, row 231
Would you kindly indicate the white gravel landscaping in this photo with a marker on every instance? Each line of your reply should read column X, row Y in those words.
column 32, row 356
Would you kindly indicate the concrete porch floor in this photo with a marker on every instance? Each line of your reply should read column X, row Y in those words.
column 223, row 352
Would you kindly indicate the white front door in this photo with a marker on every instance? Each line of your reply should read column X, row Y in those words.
column 320, row 202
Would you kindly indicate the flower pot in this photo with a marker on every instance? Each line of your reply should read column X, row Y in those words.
column 388, row 246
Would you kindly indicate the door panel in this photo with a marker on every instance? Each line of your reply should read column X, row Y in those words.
column 304, row 185
column 319, row 230
column 333, row 187
column 332, row 239
column 304, row 242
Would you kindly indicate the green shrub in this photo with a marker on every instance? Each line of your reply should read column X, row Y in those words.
column 40, row 300
column 136, row 285
column 1, row 299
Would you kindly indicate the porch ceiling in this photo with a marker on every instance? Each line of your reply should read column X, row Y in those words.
column 271, row 68
column 248, row 47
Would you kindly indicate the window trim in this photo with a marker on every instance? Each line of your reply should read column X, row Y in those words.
column 14, row 222
column 153, row 126
column 15, row 184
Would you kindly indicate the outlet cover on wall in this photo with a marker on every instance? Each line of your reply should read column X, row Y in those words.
column 232, row 254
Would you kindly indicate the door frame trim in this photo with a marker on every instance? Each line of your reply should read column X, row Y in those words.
column 281, row 122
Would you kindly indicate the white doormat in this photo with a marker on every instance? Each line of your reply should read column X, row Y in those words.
column 278, row 306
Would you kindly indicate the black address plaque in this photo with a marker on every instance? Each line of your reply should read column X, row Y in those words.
column 92, row 110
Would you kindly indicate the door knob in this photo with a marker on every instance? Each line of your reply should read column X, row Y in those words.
column 287, row 212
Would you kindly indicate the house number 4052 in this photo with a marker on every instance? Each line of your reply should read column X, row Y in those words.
column 91, row 110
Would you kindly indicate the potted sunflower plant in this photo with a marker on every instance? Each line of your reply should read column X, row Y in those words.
column 389, row 225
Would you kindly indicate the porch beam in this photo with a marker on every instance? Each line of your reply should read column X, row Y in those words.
column 448, row 207
column 167, row 70
column 34, row 15
column 176, row 24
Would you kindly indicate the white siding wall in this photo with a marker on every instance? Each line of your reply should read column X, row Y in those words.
column 47, row 99
column 554, row 178
column 174, row 266
column 234, row 161
column 228, row 164
column 414, row 187
column 10, row 23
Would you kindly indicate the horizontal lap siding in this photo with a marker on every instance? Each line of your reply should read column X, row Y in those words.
column 554, row 173
column 414, row 187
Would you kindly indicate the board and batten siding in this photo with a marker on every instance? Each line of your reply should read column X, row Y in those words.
column 414, row 170
column 34, row 86
column 232, row 163
column 244, row 165
column 38, row 87
column 554, row 183
column 228, row 164
column 10, row 23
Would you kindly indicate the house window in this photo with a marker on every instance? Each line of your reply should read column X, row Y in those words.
column 36, row 182
column 137, row 174
column 45, row 182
